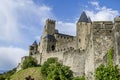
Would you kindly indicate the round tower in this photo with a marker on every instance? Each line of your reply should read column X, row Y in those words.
column 83, row 31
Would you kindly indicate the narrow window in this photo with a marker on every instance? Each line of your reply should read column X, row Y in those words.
column 53, row 47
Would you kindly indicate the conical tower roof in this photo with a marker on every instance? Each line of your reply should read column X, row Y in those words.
column 34, row 43
column 83, row 17
column 89, row 20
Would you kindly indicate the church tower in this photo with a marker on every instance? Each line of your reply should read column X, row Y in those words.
column 83, row 30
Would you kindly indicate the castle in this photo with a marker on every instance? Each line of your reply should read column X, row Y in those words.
column 83, row 52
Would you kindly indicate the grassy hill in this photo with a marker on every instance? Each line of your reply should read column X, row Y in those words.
column 34, row 72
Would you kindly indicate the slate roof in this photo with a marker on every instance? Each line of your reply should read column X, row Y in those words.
column 83, row 18
column 49, row 36
column 34, row 43
column 89, row 20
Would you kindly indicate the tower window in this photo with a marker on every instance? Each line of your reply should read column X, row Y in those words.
column 79, row 40
column 53, row 47
column 110, row 31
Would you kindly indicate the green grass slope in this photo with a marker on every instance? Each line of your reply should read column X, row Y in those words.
column 34, row 72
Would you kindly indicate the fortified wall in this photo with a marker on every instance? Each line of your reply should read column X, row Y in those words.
column 83, row 52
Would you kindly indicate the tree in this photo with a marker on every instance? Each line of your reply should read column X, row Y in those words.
column 29, row 62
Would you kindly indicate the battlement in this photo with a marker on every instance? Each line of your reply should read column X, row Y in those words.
column 102, row 25
column 117, row 19
column 50, row 21
column 102, row 22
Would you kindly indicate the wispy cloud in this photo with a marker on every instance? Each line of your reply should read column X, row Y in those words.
column 20, row 22
column 10, row 57
column 101, row 13
column 94, row 3
column 19, row 16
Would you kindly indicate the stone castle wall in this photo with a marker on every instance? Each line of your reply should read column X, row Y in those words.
column 83, row 52
column 102, row 40
column 76, row 60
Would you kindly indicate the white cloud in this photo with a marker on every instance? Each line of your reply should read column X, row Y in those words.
column 101, row 13
column 8, row 29
column 18, row 16
column 20, row 22
column 94, row 3
column 10, row 57
column 66, row 27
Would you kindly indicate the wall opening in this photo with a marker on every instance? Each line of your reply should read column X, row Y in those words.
column 53, row 47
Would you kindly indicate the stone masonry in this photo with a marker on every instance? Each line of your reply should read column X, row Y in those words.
column 83, row 52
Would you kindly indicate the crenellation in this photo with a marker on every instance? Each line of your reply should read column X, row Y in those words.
column 50, row 21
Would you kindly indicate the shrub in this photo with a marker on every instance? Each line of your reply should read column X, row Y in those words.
column 44, row 67
column 109, row 72
column 29, row 62
column 56, row 71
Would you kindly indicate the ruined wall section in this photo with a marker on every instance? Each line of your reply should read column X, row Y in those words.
column 102, row 40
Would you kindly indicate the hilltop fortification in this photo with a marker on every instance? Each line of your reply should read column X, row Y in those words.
column 83, row 52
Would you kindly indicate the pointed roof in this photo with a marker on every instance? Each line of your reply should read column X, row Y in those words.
column 83, row 17
column 89, row 20
column 34, row 43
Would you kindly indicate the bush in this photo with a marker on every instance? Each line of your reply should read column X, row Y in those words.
column 44, row 67
column 109, row 72
column 29, row 62
column 56, row 71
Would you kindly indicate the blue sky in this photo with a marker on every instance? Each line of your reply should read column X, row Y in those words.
column 22, row 21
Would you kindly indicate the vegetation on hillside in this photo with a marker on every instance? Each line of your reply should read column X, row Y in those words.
column 29, row 62
column 108, row 72
column 34, row 72
column 54, row 70
column 7, row 74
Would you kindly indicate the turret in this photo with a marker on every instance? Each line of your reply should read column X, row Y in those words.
column 48, row 39
column 83, row 29
column 49, row 27
column 33, row 49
